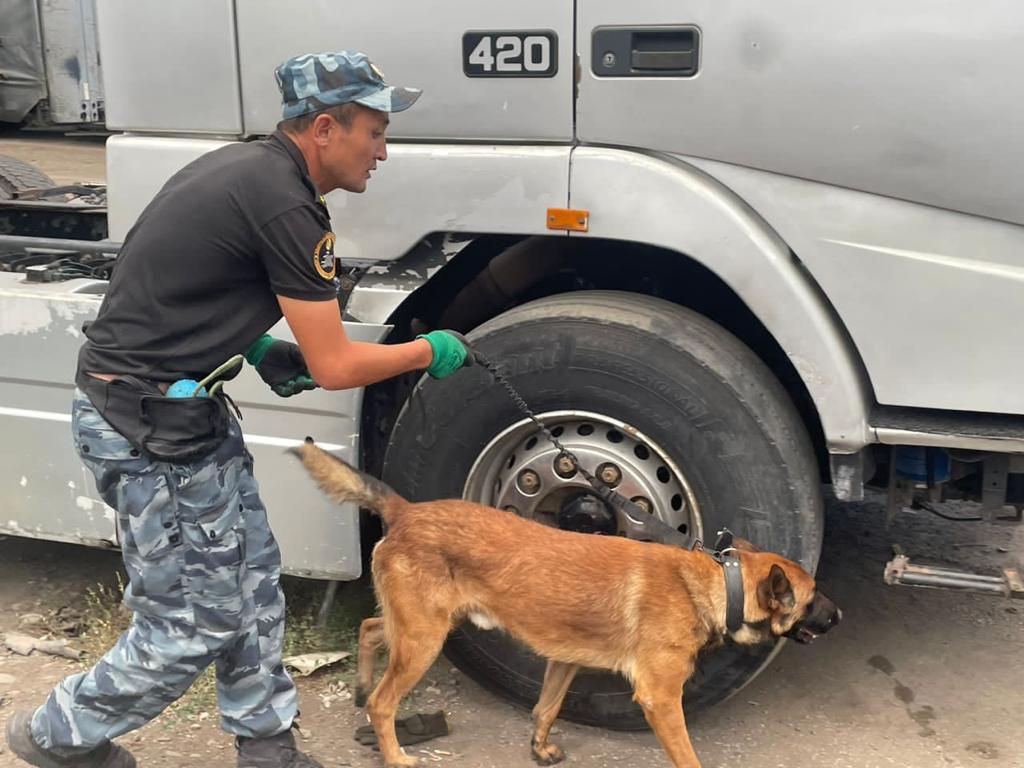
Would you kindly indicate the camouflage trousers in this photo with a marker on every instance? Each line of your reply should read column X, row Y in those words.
column 203, row 570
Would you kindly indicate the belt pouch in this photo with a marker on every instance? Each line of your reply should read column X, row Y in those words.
column 174, row 429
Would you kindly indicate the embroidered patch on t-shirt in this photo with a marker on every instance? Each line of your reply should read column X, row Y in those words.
column 323, row 257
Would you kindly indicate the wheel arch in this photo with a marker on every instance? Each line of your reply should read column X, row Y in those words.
column 482, row 281
column 660, row 227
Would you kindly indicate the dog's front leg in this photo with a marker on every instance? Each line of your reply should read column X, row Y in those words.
column 371, row 637
column 557, row 678
column 660, row 693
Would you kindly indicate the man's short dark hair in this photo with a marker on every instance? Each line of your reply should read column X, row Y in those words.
column 343, row 113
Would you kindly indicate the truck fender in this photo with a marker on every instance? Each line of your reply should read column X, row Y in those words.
column 666, row 202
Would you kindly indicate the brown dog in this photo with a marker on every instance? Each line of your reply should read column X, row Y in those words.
column 644, row 610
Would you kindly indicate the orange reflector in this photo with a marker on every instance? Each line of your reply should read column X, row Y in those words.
column 572, row 219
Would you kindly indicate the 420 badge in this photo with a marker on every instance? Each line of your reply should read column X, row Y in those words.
column 510, row 54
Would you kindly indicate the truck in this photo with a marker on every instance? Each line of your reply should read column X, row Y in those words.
column 50, row 69
column 727, row 253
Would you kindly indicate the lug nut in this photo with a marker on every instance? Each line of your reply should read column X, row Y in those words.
column 564, row 466
column 529, row 481
column 609, row 474
column 643, row 502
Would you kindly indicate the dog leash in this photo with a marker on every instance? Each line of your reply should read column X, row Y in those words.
column 639, row 524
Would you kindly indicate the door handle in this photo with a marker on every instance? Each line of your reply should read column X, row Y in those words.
column 661, row 60
column 670, row 51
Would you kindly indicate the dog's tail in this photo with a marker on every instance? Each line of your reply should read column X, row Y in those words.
column 343, row 482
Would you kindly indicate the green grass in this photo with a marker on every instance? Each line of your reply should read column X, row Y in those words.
column 106, row 618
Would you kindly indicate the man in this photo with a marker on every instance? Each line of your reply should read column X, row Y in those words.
column 231, row 243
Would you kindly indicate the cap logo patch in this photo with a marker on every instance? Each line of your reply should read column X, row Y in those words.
column 323, row 257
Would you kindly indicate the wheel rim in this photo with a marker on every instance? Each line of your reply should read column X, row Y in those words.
column 519, row 470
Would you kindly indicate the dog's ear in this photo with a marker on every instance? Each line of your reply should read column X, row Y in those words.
column 775, row 590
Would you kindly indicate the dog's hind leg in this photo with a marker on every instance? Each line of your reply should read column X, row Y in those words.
column 557, row 678
column 371, row 638
column 658, row 689
column 414, row 646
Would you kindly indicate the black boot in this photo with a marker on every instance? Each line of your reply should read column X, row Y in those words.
column 272, row 752
column 19, row 739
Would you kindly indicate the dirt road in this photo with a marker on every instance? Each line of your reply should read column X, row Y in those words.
column 911, row 678
column 66, row 160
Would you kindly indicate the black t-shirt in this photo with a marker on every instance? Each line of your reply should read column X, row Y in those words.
column 198, row 276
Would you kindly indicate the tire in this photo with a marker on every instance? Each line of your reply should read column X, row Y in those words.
column 690, row 388
column 16, row 175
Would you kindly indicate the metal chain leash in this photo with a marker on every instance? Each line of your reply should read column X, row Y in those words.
column 519, row 401
column 638, row 522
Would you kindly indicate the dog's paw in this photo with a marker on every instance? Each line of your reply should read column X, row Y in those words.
column 360, row 697
column 547, row 753
column 403, row 761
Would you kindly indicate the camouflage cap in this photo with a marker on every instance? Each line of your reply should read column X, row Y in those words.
column 316, row 81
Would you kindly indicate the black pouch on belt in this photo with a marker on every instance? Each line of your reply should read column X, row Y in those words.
column 175, row 429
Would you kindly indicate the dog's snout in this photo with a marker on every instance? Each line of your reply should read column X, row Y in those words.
column 822, row 616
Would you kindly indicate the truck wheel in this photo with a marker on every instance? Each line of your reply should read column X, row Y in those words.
column 16, row 175
column 676, row 409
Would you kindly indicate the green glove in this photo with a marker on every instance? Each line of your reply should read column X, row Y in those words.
column 451, row 352
column 280, row 364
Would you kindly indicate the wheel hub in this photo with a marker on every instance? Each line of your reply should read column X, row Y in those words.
column 522, row 472
column 586, row 513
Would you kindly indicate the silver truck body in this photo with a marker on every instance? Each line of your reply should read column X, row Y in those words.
column 50, row 494
column 852, row 173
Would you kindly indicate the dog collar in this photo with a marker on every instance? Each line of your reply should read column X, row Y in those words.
column 727, row 556
column 730, row 562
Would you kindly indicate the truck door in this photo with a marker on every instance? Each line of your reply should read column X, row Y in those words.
column 904, row 100
column 489, row 71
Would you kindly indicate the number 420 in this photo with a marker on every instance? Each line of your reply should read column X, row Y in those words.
column 508, row 53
